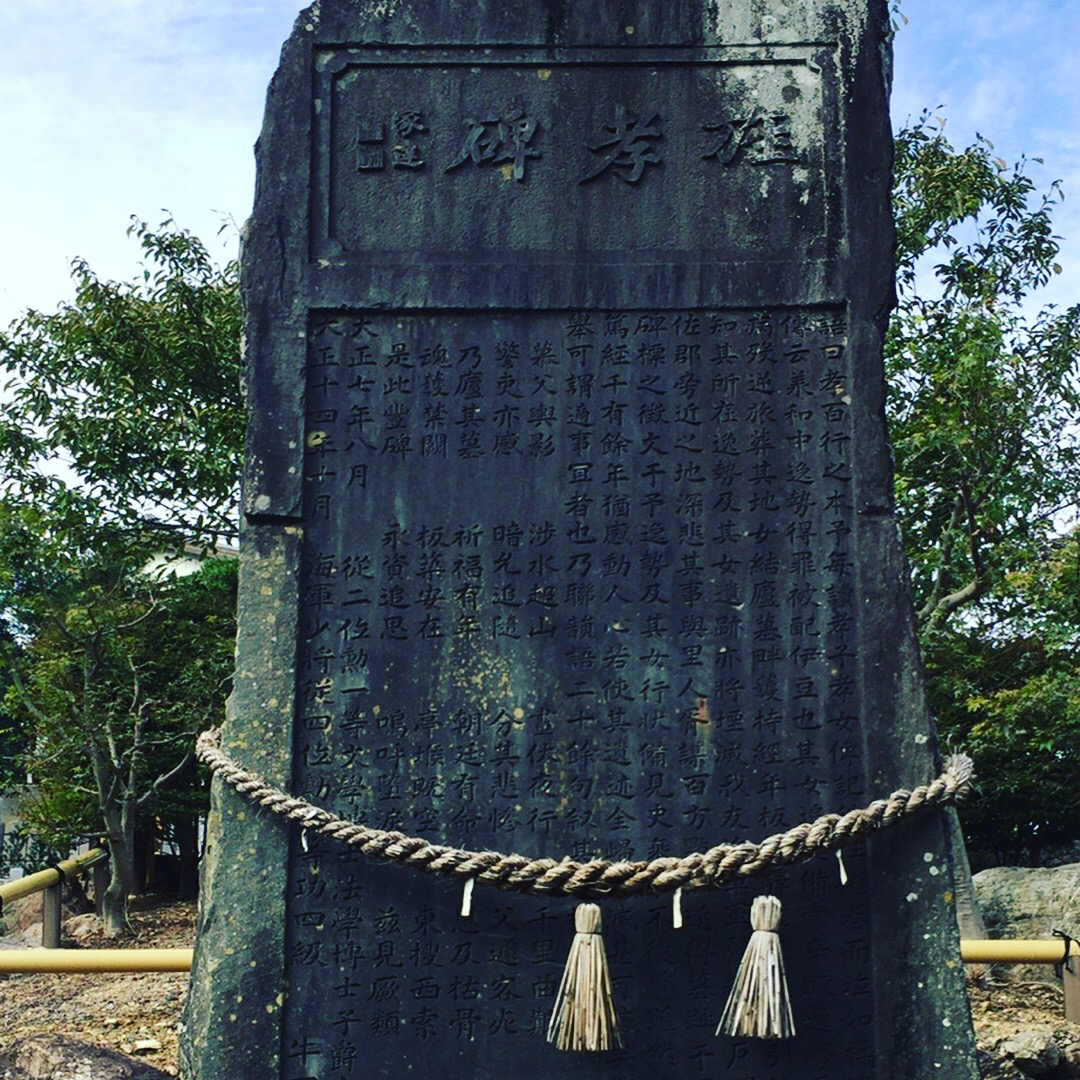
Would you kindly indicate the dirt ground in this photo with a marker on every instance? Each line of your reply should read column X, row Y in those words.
column 1001, row 1008
column 139, row 1014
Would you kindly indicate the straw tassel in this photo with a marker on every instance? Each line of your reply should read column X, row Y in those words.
column 584, row 1014
column 759, row 1006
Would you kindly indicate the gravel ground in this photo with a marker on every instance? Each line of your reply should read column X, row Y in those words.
column 137, row 1014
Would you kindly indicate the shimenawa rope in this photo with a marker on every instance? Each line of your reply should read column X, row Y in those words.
column 599, row 878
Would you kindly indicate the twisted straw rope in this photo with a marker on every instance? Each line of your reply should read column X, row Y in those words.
column 599, row 877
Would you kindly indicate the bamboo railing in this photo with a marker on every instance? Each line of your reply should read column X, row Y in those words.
column 971, row 952
column 49, row 882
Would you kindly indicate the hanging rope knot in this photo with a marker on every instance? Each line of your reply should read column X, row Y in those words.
column 759, row 1006
column 765, row 914
column 584, row 1016
column 587, row 919
column 598, row 878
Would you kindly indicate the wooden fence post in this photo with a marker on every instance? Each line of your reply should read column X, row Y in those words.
column 1070, row 977
column 50, row 916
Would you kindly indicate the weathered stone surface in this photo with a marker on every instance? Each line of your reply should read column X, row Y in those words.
column 79, row 927
column 60, row 1057
column 1029, row 903
column 22, row 918
column 1029, row 1051
column 1034, row 1053
column 568, row 532
column 993, row 1066
column 1067, row 1037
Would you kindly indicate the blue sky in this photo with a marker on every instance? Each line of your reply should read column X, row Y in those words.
column 110, row 108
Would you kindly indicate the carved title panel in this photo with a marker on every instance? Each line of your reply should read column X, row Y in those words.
column 730, row 149
column 572, row 583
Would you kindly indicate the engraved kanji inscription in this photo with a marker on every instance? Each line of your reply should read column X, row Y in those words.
column 759, row 139
column 370, row 155
column 496, row 140
column 679, row 566
column 628, row 144
column 662, row 164
column 371, row 142
column 405, row 153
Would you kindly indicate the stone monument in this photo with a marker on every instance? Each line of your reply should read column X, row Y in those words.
column 568, row 532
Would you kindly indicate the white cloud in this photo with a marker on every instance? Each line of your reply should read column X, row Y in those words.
column 115, row 107
column 1006, row 70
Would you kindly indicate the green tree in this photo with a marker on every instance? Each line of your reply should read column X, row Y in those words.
column 985, row 392
column 1012, row 699
column 115, row 684
column 124, row 417
column 121, row 441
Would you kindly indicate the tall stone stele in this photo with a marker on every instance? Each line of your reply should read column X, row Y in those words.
column 568, row 531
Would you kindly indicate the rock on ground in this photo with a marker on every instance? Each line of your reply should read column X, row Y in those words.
column 1029, row 902
column 1021, row 1029
column 1033, row 1052
column 60, row 1057
column 992, row 1067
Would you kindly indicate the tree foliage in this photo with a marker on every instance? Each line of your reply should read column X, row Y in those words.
column 121, row 441
column 1013, row 701
column 120, row 676
column 125, row 415
column 985, row 395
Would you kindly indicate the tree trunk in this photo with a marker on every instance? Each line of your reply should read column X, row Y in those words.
column 119, row 810
column 120, row 823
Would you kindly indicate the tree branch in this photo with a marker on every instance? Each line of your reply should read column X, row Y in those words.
column 143, row 617
column 24, row 695
column 164, row 779
column 971, row 592
column 948, row 542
